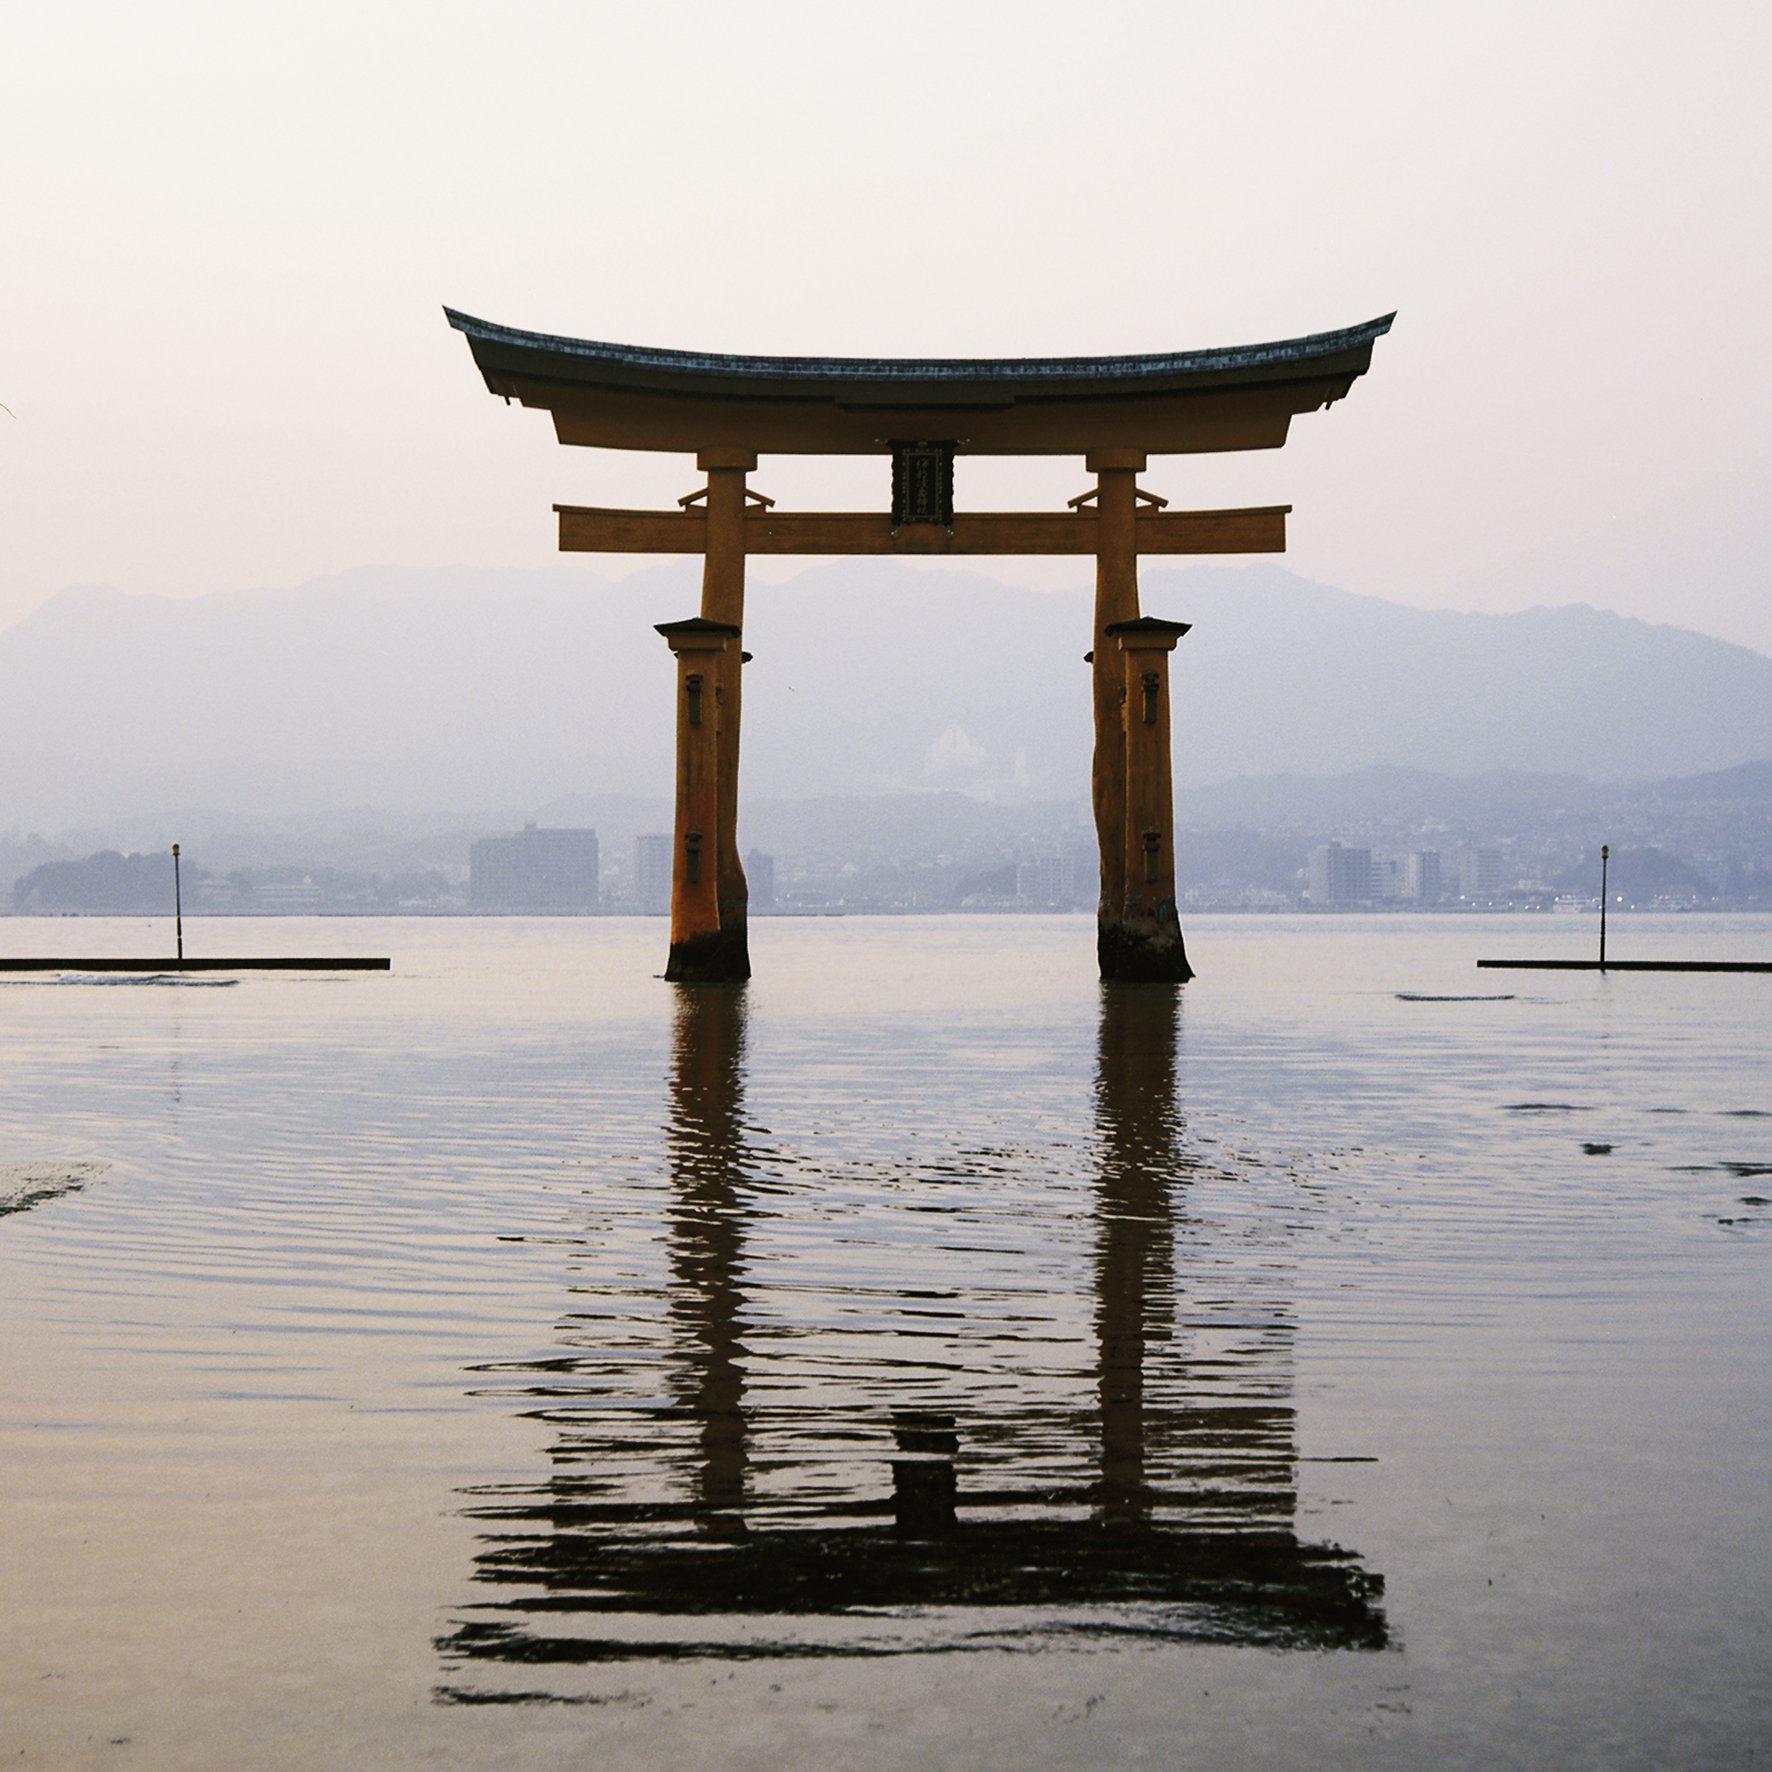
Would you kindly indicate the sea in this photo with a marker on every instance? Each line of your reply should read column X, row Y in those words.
column 922, row 1355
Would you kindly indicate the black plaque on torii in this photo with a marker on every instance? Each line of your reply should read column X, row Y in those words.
column 922, row 484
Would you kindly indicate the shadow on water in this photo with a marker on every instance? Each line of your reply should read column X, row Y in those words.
column 730, row 1515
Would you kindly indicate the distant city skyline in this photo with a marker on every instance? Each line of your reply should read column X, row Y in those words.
column 231, row 235
column 1369, row 842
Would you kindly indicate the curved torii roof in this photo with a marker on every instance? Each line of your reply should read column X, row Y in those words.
column 615, row 396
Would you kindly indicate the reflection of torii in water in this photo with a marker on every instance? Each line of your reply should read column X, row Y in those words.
column 707, row 1240
column 1182, row 1530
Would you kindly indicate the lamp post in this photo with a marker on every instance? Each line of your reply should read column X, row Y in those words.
column 1605, row 854
column 178, row 907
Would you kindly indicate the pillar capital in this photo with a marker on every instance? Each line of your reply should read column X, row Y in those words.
column 697, row 634
column 745, row 460
column 1147, row 633
column 1105, row 461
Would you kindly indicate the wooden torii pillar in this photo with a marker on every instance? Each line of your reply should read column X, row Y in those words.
column 1137, row 928
column 1114, row 412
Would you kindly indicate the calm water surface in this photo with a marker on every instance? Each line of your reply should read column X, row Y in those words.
column 1351, row 1358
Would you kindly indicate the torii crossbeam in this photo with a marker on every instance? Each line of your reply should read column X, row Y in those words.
column 1114, row 412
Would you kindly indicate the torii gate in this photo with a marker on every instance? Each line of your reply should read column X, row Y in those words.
column 1112, row 411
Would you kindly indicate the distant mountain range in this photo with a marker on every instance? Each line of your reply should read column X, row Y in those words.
column 459, row 690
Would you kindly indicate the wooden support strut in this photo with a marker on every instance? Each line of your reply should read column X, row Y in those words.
column 699, row 952
column 1145, row 941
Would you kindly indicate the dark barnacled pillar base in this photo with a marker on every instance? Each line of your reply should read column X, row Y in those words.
column 735, row 946
column 720, row 958
column 1142, row 956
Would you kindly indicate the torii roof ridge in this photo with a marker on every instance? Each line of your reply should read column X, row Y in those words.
column 564, row 356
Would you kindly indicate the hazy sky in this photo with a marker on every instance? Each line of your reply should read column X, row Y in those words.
column 229, row 231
